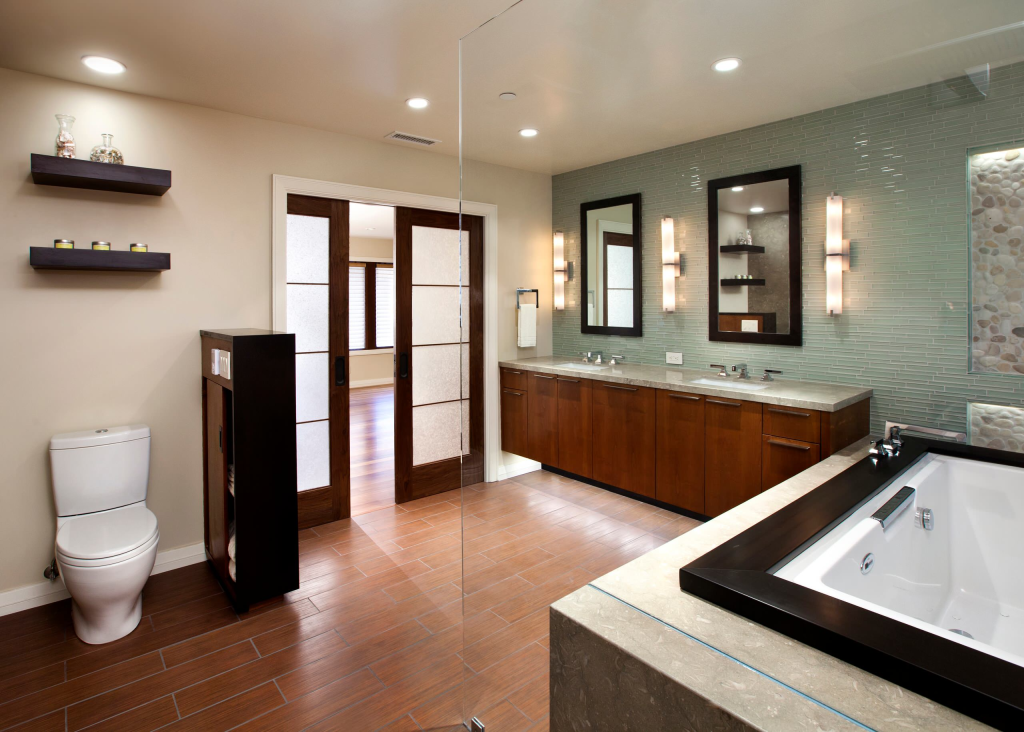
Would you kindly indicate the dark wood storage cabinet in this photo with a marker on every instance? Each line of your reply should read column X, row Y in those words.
column 575, row 424
column 782, row 458
column 732, row 453
column 249, row 432
column 542, row 422
column 624, row 437
column 514, row 421
column 680, row 450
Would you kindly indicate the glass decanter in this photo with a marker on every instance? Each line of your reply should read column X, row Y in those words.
column 105, row 152
column 65, row 140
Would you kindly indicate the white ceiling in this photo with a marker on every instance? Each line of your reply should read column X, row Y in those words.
column 600, row 79
column 371, row 222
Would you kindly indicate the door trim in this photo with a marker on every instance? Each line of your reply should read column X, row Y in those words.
column 285, row 184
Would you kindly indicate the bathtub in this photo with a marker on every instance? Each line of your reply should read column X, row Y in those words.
column 962, row 579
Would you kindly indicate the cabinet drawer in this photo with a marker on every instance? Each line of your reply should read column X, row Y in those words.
column 624, row 437
column 782, row 458
column 796, row 424
column 513, row 379
column 514, row 411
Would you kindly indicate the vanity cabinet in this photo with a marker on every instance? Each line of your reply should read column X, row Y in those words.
column 782, row 458
column 514, row 418
column 732, row 453
column 575, row 426
column 542, row 419
column 679, row 450
column 624, row 437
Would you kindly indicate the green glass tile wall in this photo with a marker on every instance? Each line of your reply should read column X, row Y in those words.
column 899, row 161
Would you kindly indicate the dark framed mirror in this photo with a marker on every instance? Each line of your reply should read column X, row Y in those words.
column 754, row 258
column 610, row 266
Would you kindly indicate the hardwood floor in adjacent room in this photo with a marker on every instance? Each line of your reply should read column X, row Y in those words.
column 372, row 640
column 372, row 447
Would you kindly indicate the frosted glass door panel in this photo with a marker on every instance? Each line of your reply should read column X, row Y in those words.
column 620, row 268
column 465, row 427
column 435, row 314
column 464, row 310
column 620, row 308
column 312, row 392
column 436, row 432
column 313, row 454
column 308, row 316
column 435, row 256
column 308, row 249
column 435, row 374
column 465, row 371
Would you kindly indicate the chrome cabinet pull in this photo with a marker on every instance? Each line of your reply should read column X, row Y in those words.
column 790, row 445
column 620, row 388
column 571, row 381
column 542, row 376
column 510, row 371
column 513, row 393
column 724, row 404
column 684, row 396
column 786, row 411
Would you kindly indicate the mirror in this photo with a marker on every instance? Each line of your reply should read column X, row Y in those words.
column 754, row 257
column 611, row 266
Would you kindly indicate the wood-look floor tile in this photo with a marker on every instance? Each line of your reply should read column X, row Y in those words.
column 52, row 722
column 542, row 725
column 543, row 595
column 357, row 630
column 415, row 658
column 533, row 698
column 405, row 724
column 417, row 551
column 321, row 704
column 145, row 718
column 37, row 619
column 188, row 610
column 344, row 596
column 497, row 593
column 511, row 638
column 424, row 581
column 31, row 682
column 501, row 552
column 565, row 562
column 505, row 717
column 231, row 712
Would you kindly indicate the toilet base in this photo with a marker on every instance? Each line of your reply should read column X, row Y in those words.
column 107, row 625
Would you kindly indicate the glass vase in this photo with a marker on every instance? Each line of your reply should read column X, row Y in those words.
column 105, row 152
column 65, row 140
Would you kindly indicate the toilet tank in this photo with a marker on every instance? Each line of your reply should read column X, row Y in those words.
column 99, row 469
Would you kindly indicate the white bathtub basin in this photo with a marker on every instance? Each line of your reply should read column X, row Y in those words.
column 581, row 366
column 964, row 575
column 731, row 384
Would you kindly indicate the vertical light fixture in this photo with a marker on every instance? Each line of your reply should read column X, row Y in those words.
column 837, row 257
column 670, row 266
column 559, row 247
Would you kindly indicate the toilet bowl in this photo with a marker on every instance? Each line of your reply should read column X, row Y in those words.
column 107, row 538
column 105, row 559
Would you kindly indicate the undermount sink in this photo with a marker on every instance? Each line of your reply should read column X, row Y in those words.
column 581, row 366
column 731, row 384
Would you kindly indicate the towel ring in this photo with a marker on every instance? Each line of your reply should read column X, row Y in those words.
column 521, row 290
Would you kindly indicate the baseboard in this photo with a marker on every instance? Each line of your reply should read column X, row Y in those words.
column 370, row 382
column 514, row 465
column 44, row 593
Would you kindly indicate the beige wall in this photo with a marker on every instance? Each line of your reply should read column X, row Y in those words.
column 363, row 246
column 90, row 349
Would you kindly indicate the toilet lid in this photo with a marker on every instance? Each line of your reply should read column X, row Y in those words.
column 106, row 533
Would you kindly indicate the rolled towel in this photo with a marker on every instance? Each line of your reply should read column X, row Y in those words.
column 231, row 544
column 231, row 570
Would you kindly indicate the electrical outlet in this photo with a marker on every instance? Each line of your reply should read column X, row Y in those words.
column 676, row 358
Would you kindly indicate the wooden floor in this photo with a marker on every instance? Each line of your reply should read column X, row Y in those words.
column 373, row 640
column 372, row 447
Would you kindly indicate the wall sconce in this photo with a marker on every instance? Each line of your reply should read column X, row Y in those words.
column 563, row 270
column 670, row 265
column 837, row 255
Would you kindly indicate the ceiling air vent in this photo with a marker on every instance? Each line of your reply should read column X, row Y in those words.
column 414, row 139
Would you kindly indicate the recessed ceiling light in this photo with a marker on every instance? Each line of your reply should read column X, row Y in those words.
column 757, row 209
column 726, row 64
column 417, row 102
column 103, row 65
column 528, row 132
column 507, row 96
column 736, row 189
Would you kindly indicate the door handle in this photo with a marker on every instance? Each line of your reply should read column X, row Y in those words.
column 403, row 365
column 220, row 438
column 339, row 371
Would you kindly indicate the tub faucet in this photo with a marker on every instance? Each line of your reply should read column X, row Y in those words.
column 892, row 440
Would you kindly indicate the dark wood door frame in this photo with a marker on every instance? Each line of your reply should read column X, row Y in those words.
column 333, row 502
column 413, row 482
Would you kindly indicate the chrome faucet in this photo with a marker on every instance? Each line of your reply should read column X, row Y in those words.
column 892, row 440
column 722, row 373
column 743, row 370
column 588, row 355
column 616, row 359
column 767, row 375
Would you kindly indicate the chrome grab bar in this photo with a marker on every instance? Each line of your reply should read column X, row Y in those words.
column 892, row 508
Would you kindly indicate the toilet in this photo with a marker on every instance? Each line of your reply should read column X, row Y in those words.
column 106, row 537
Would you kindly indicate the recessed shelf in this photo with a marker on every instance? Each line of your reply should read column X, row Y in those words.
column 741, row 249
column 103, row 261
column 742, row 283
column 49, row 170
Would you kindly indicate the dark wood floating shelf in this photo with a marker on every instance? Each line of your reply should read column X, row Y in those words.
column 106, row 261
column 49, row 170
column 742, row 249
column 730, row 282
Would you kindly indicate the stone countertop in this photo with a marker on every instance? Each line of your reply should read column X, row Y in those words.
column 753, row 673
column 782, row 392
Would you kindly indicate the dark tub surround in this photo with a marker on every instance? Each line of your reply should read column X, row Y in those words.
column 679, row 438
column 704, row 667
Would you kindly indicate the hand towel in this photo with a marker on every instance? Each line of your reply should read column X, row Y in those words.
column 527, row 326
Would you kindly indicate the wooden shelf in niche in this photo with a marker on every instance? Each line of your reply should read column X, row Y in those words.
column 100, row 261
column 49, row 170
column 742, row 283
column 741, row 249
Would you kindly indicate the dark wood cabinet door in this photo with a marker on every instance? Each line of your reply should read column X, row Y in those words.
column 624, row 437
column 216, row 477
column 575, row 426
column 542, row 424
column 680, row 450
column 514, row 421
column 732, row 453
column 796, row 424
column 782, row 458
